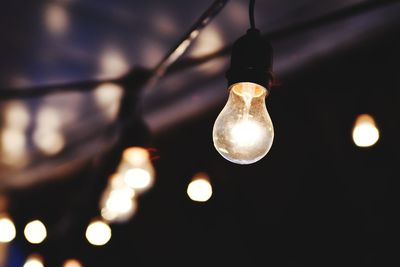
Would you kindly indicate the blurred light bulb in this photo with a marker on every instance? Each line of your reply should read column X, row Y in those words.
column 98, row 233
column 49, row 141
column 34, row 261
column 16, row 115
column 243, row 132
column 72, row 263
column 365, row 131
column 35, row 232
column 118, row 205
column 199, row 189
column 138, row 178
column 137, row 169
column 107, row 97
column 7, row 229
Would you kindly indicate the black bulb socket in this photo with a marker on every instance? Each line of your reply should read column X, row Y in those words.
column 251, row 60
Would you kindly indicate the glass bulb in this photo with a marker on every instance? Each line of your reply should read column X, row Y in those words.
column 243, row 132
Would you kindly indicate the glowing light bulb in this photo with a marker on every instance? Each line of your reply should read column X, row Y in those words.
column 7, row 229
column 98, row 233
column 243, row 132
column 72, row 263
column 137, row 169
column 199, row 189
column 118, row 204
column 34, row 261
column 35, row 232
column 365, row 131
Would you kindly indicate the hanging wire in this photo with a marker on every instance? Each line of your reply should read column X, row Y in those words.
column 251, row 14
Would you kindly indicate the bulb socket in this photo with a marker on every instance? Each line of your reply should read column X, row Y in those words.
column 251, row 60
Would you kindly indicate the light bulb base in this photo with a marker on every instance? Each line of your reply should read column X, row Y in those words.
column 251, row 60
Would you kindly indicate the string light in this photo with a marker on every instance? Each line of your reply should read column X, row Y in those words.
column 137, row 169
column 34, row 261
column 365, row 131
column 98, row 233
column 118, row 203
column 243, row 132
column 7, row 229
column 35, row 232
column 72, row 263
column 200, row 189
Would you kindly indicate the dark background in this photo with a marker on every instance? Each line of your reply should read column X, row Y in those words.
column 315, row 200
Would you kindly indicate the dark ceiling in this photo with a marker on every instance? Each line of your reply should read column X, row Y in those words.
column 315, row 200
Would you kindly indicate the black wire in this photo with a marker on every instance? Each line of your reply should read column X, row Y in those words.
column 251, row 14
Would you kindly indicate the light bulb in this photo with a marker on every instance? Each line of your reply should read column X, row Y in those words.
column 365, row 131
column 72, row 263
column 7, row 229
column 243, row 132
column 35, row 232
column 34, row 261
column 137, row 169
column 199, row 189
column 98, row 233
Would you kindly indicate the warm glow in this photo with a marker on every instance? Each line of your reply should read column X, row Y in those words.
column 98, row 233
column 199, row 189
column 49, row 141
column 365, row 131
column 34, row 261
column 13, row 147
column 56, row 18
column 118, row 205
column 48, row 117
column 246, row 133
column 138, row 178
column 72, row 263
column 16, row 115
column 35, row 232
column 47, row 135
column 7, row 230
column 107, row 97
column 243, row 132
column 113, row 63
column 136, row 168
column 136, row 155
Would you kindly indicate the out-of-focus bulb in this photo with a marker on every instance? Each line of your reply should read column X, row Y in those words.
column 118, row 204
column 137, row 169
column 35, row 232
column 365, row 131
column 243, row 132
column 34, row 261
column 98, row 233
column 199, row 189
column 7, row 229
column 72, row 263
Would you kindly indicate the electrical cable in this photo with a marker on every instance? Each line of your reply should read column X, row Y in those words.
column 251, row 14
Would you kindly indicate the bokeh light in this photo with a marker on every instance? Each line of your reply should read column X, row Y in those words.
column 108, row 97
column 113, row 63
column 35, row 232
column 365, row 131
column 7, row 229
column 72, row 263
column 200, row 189
column 137, row 169
column 98, row 233
column 34, row 261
